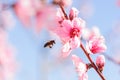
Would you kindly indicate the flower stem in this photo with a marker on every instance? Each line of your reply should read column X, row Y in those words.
column 91, row 61
column 65, row 15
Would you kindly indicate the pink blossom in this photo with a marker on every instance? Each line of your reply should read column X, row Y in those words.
column 74, row 42
column 100, row 62
column 73, row 13
column 69, row 31
column 69, row 46
column 44, row 15
column 66, row 49
column 90, row 33
column 24, row 10
column 81, row 67
column 28, row 9
column 96, row 45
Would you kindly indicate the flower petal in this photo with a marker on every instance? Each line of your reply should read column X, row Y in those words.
column 75, row 42
column 67, row 25
column 66, row 50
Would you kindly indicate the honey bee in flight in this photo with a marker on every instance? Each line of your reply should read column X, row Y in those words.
column 49, row 44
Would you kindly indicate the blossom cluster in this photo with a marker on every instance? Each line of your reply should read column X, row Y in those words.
column 27, row 10
column 72, row 30
column 69, row 30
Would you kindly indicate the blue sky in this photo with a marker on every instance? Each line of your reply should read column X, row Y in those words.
column 38, row 63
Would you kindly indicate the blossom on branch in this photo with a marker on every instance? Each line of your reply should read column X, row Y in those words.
column 69, row 31
column 96, row 45
column 69, row 46
column 73, row 13
column 90, row 33
column 100, row 62
column 81, row 67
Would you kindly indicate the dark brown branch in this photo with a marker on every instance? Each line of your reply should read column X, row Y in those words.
column 65, row 15
column 91, row 61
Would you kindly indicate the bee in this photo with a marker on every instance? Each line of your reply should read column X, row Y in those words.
column 49, row 44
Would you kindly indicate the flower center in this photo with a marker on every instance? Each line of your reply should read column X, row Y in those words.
column 74, row 32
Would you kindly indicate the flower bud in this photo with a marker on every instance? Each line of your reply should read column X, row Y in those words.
column 100, row 62
column 96, row 45
column 73, row 13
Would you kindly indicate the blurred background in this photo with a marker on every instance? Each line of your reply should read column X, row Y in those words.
column 31, row 61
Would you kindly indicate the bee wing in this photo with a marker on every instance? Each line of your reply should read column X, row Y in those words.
column 46, row 44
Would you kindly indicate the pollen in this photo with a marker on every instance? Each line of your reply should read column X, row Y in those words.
column 74, row 32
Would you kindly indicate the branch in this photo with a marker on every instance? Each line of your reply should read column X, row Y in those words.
column 112, row 59
column 5, row 6
column 65, row 15
column 91, row 61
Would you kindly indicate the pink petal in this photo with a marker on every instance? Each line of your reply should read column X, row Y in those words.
column 59, row 15
column 63, row 35
column 96, row 45
column 75, row 42
column 66, row 50
column 44, row 17
column 86, row 34
column 80, row 67
column 88, row 47
column 76, row 60
column 73, row 13
column 94, row 32
column 24, row 11
column 100, row 62
column 101, row 48
column 67, row 24
column 78, row 23
column 84, row 76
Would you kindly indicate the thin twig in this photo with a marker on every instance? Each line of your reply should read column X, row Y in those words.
column 91, row 61
column 65, row 15
column 112, row 59
column 5, row 7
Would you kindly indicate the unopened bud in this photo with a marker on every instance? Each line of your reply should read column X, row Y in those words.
column 73, row 13
column 100, row 62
